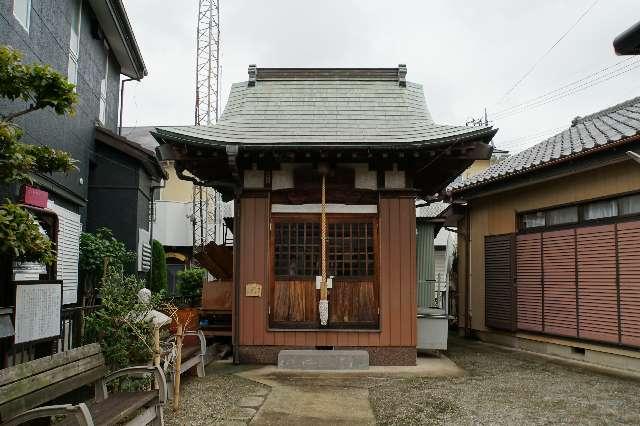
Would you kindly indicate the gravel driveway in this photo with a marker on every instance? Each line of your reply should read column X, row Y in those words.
column 507, row 387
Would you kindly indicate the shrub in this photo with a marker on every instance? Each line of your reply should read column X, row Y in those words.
column 158, row 275
column 190, row 281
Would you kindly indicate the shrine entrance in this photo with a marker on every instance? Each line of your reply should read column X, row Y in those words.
column 351, row 269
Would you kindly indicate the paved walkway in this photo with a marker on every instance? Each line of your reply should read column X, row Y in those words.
column 332, row 397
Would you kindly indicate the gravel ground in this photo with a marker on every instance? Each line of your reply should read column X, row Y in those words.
column 498, row 387
column 507, row 387
column 209, row 401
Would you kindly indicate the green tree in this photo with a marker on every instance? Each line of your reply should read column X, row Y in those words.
column 98, row 251
column 158, row 275
column 34, row 87
column 190, row 281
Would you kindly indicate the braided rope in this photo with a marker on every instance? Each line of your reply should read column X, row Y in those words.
column 323, row 304
column 323, row 230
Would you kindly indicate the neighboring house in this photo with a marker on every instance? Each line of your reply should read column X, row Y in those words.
column 173, row 211
column 365, row 133
column 92, row 43
column 551, row 259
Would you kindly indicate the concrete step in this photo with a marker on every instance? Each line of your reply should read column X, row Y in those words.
column 323, row 360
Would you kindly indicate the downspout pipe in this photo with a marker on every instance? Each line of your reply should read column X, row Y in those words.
column 235, row 313
column 467, row 268
column 122, row 102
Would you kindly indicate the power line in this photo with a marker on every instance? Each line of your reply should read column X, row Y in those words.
column 566, row 86
column 520, row 140
column 534, row 66
column 577, row 89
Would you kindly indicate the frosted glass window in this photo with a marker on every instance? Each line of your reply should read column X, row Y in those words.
column 103, row 93
column 22, row 12
column 74, row 42
column 533, row 220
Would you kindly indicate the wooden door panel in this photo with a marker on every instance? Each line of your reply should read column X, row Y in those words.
column 294, row 302
column 352, row 302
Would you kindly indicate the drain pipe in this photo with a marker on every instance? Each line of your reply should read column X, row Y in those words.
column 235, row 312
column 467, row 269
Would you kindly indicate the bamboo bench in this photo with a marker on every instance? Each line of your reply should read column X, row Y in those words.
column 37, row 382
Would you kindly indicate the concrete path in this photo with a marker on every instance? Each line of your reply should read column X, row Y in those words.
column 313, row 405
column 330, row 397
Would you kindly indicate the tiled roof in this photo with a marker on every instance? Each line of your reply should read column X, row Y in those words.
column 324, row 107
column 432, row 210
column 585, row 134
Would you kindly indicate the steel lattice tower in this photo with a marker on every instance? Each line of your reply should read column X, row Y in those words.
column 207, row 212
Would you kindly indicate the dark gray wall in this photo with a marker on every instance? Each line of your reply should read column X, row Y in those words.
column 48, row 42
column 119, row 195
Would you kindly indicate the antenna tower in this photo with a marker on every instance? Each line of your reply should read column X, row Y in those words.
column 207, row 211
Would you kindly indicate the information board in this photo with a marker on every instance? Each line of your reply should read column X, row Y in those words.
column 38, row 308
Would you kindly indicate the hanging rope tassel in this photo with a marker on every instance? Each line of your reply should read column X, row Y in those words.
column 323, row 305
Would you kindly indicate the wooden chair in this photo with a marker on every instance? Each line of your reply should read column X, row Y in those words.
column 34, row 383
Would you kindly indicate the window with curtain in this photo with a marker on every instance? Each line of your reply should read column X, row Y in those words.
column 22, row 12
column 562, row 216
column 600, row 210
column 630, row 204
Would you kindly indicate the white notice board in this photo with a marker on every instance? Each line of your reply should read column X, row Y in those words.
column 38, row 308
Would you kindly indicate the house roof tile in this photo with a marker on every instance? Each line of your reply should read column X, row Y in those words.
column 586, row 133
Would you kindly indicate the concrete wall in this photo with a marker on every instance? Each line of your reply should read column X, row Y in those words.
column 48, row 42
column 497, row 215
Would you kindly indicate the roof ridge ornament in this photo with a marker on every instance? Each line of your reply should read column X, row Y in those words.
column 253, row 74
column 402, row 75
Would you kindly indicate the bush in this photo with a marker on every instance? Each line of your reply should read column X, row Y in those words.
column 158, row 276
column 125, row 339
column 190, row 282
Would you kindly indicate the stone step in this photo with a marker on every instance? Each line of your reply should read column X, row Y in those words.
column 305, row 359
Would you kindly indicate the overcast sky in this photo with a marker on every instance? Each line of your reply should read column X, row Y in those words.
column 467, row 54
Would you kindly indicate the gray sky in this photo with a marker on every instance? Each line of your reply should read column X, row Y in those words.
column 467, row 54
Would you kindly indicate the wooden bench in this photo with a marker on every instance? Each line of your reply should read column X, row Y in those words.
column 34, row 383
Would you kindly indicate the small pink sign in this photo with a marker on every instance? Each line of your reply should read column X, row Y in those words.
column 35, row 197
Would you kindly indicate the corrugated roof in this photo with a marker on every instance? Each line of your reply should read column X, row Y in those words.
column 585, row 134
column 324, row 107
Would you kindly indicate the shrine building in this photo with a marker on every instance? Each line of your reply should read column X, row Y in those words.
column 324, row 167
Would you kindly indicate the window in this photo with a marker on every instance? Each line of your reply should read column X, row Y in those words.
column 630, row 204
column 600, row 210
column 103, row 93
column 562, row 216
column 22, row 12
column 350, row 251
column 533, row 220
column 298, row 245
column 582, row 213
column 297, row 249
column 74, row 42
